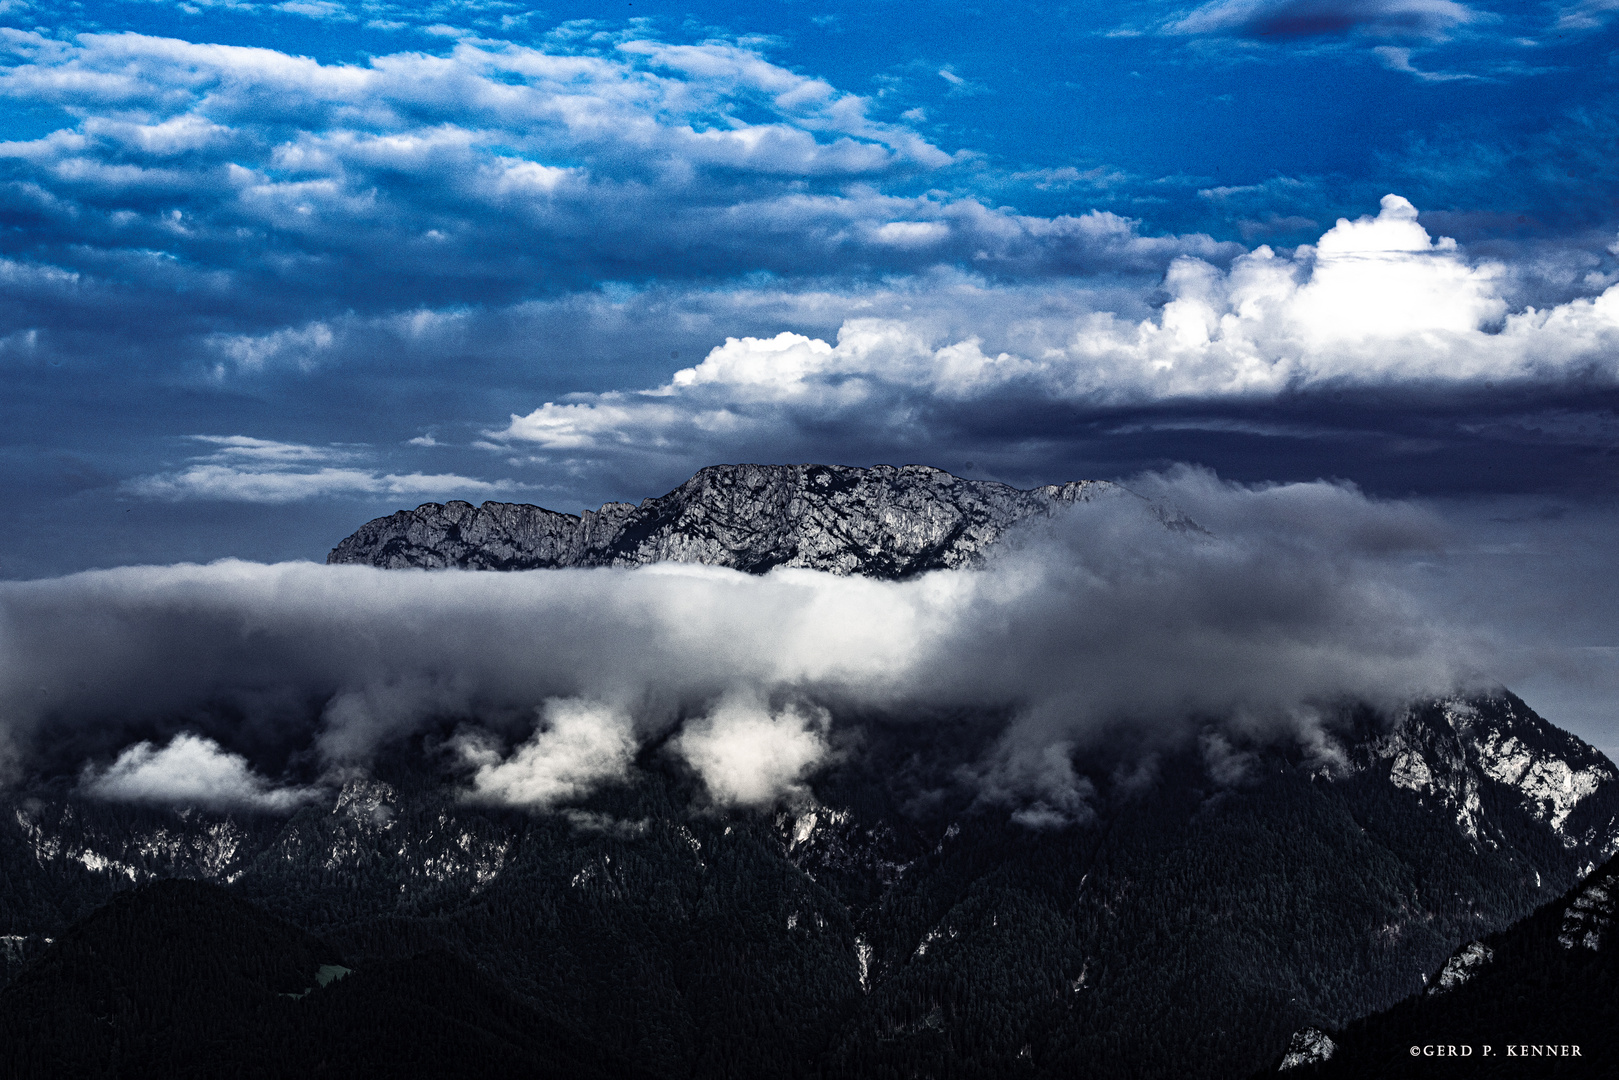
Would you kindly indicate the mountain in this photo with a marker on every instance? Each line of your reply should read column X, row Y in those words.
column 1538, row 999
column 883, row 522
column 1229, row 897
column 892, row 926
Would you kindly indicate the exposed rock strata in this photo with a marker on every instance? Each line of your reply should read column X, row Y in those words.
column 883, row 522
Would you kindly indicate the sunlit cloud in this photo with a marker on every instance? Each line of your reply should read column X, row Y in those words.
column 1376, row 301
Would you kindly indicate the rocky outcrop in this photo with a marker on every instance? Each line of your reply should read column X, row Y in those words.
column 1488, row 759
column 882, row 522
column 1588, row 920
column 1463, row 965
column 1309, row 1046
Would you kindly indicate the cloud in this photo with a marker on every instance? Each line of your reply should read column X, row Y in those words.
column 1396, row 58
column 470, row 222
column 1375, row 302
column 961, row 86
column 1586, row 15
column 191, row 771
column 245, row 469
column 230, row 208
column 579, row 746
column 748, row 755
column 309, row 158
column 1315, row 18
column 1066, row 178
column 299, row 347
column 1297, row 599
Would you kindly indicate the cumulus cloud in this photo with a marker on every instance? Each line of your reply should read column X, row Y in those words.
column 1291, row 603
column 245, row 469
column 1377, row 301
column 190, row 771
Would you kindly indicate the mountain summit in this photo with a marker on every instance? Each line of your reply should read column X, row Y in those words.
column 882, row 522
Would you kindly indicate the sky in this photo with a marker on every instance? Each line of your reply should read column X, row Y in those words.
column 270, row 270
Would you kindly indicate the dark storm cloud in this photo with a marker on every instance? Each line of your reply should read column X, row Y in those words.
column 1288, row 604
column 1315, row 18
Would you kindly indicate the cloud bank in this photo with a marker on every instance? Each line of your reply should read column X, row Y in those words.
column 1107, row 623
column 353, row 256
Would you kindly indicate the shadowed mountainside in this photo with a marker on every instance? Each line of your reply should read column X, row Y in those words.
column 1540, row 999
column 182, row 978
column 892, row 926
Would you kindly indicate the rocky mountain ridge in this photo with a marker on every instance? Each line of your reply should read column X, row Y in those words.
column 882, row 522
column 1477, row 758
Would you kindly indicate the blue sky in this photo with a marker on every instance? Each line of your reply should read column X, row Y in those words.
column 269, row 270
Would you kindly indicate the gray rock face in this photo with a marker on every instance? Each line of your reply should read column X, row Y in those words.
column 883, row 522
column 1309, row 1046
column 1463, row 965
column 1488, row 758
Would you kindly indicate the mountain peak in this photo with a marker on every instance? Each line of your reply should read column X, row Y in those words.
column 885, row 522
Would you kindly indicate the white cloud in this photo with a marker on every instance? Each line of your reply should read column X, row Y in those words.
column 749, row 755
column 190, row 770
column 646, row 101
column 300, row 347
column 323, row 10
column 959, row 86
column 476, row 178
column 1068, row 177
column 247, row 448
column 578, row 746
column 1384, row 278
column 1377, row 301
column 911, row 234
column 1586, row 15
column 1396, row 58
column 245, row 469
